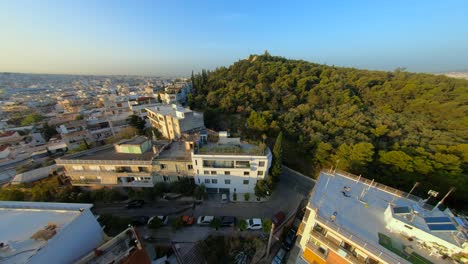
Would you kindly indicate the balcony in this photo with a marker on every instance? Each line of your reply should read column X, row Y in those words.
column 107, row 173
column 331, row 245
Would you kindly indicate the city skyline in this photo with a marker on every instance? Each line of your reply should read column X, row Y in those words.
column 172, row 39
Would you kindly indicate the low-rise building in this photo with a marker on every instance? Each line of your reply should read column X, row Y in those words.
column 350, row 219
column 173, row 120
column 34, row 232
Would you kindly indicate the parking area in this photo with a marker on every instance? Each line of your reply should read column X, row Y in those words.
column 291, row 189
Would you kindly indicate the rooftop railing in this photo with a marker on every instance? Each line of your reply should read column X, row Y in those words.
column 231, row 150
column 374, row 184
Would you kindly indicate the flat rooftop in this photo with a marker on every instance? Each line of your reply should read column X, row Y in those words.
column 169, row 110
column 175, row 151
column 231, row 149
column 363, row 216
column 20, row 220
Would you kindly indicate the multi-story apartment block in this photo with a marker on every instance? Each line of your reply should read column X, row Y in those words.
column 224, row 165
column 229, row 165
column 176, row 93
column 350, row 219
column 129, row 163
column 173, row 120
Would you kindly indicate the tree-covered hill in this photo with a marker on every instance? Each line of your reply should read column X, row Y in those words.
column 396, row 127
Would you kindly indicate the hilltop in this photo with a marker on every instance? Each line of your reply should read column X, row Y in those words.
column 397, row 127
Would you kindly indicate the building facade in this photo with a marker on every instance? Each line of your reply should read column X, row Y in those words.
column 173, row 120
column 230, row 166
column 350, row 219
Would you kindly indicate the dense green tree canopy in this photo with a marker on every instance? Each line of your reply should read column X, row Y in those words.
column 396, row 127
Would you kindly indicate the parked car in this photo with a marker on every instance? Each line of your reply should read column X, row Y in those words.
column 139, row 220
column 254, row 224
column 135, row 204
column 289, row 239
column 224, row 198
column 164, row 219
column 228, row 221
column 205, row 220
column 279, row 257
column 278, row 218
column 188, row 220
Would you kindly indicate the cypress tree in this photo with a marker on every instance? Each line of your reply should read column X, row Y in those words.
column 277, row 158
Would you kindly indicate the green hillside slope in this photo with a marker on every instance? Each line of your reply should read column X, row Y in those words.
column 396, row 127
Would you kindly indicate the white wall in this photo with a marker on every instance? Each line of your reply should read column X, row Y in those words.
column 236, row 176
column 76, row 240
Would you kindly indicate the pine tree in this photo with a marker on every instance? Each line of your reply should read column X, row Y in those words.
column 277, row 158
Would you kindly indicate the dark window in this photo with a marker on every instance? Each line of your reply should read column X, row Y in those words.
column 261, row 164
column 163, row 166
column 246, row 173
column 227, row 173
column 190, row 167
column 227, row 181
column 246, row 181
column 260, row 173
column 214, row 181
column 213, row 172
column 207, row 180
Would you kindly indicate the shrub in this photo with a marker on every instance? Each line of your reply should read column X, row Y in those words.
column 242, row 224
column 199, row 192
column 215, row 223
column 177, row 223
column 266, row 225
column 246, row 196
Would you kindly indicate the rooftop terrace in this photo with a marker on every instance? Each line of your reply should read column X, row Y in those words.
column 231, row 149
column 21, row 221
column 355, row 207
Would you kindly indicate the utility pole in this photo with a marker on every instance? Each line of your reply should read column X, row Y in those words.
column 269, row 240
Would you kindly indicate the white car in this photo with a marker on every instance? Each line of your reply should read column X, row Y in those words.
column 204, row 220
column 164, row 219
column 254, row 224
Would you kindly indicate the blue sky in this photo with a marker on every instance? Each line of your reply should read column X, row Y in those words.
column 176, row 37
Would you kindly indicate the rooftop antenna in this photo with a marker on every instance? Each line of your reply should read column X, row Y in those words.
column 443, row 199
column 431, row 193
column 412, row 189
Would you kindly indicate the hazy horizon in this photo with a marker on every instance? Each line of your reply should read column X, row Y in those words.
column 171, row 39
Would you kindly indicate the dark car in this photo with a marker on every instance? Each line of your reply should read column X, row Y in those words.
column 227, row 221
column 278, row 218
column 139, row 220
column 289, row 239
column 279, row 257
column 135, row 204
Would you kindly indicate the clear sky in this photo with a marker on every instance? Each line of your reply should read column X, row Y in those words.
column 175, row 37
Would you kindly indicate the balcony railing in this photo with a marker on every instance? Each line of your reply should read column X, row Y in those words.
column 108, row 173
column 377, row 252
column 331, row 245
column 120, row 184
column 314, row 248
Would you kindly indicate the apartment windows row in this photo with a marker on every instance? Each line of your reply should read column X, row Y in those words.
column 164, row 166
column 246, row 173
column 226, row 181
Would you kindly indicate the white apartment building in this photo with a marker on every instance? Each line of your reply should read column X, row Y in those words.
column 229, row 165
column 173, row 120
column 350, row 219
column 47, row 232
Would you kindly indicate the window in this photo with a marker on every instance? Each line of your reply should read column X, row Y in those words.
column 213, row 172
column 246, row 173
column 246, row 181
column 198, row 172
column 260, row 173
column 163, row 166
column 261, row 164
column 227, row 173
column 165, row 178
column 218, row 163
column 227, row 181
column 207, row 180
column 242, row 164
column 196, row 163
column 214, row 181
column 190, row 167
column 198, row 181
column 206, row 172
